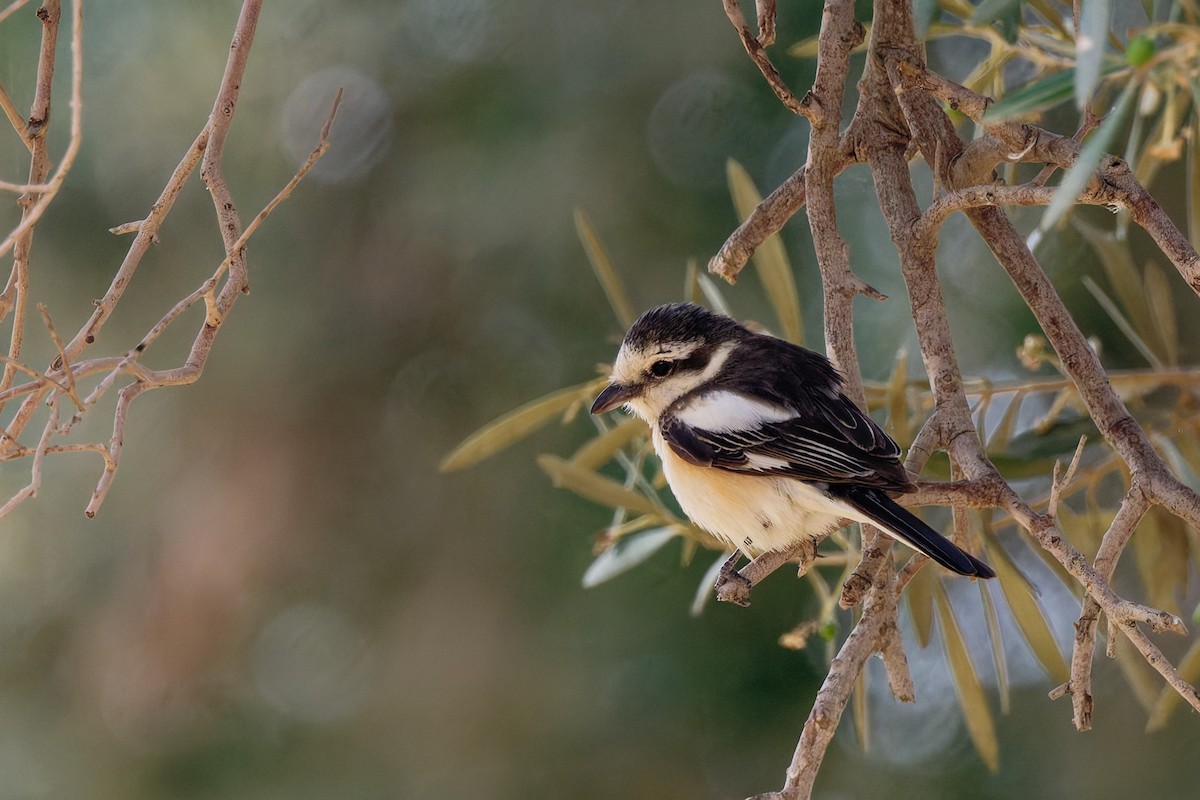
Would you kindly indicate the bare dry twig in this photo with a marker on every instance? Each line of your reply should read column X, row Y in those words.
column 69, row 370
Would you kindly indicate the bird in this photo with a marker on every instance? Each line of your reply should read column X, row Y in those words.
column 758, row 441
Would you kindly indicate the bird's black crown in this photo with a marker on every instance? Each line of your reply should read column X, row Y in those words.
column 682, row 322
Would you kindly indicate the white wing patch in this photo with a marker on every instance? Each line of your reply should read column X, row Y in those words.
column 766, row 463
column 727, row 412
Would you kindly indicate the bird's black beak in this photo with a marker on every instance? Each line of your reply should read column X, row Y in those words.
column 614, row 394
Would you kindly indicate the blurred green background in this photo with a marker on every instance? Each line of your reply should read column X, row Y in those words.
column 282, row 597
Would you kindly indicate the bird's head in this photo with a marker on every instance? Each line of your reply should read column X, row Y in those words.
column 669, row 351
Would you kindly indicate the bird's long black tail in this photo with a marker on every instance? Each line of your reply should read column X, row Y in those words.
column 902, row 525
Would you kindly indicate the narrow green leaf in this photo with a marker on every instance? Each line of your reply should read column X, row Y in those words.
column 980, row 726
column 770, row 259
column 610, row 281
column 1076, row 178
column 1049, row 13
column 1019, row 594
column 1034, row 97
column 599, row 450
column 1168, row 698
column 1161, row 300
column 626, row 554
column 596, row 488
column 517, row 424
column 1094, row 19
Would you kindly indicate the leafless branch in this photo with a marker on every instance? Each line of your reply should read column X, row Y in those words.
column 86, row 381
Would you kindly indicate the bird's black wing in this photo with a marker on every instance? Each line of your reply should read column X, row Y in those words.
column 821, row 448
column 782, row 412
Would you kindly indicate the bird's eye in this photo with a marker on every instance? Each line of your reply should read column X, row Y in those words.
column 661, row 369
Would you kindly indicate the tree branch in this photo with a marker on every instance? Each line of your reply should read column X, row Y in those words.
column 898, row 113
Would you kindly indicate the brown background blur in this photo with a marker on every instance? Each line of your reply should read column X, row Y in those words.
column 281, row 596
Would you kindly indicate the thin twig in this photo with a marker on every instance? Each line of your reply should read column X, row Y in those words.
column 1057, row 485
column 754, row 47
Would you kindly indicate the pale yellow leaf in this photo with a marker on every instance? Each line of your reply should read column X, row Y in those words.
column 1018, row 592
column 599, row 450
column 770, row 259
column 980, row 726
column 897, row 400
column 919, row 593
column 517, row 424
column 597, row 488
column 610, row 281
column 997, row 642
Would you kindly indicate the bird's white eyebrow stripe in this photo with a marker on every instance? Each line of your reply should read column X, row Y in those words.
column 725, row 411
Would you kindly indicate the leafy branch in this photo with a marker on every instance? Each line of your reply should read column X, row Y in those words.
column 1097, row 428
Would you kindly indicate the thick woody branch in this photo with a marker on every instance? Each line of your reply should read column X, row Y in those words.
column 834, row 694
column 1132, row 508
column 767, row 219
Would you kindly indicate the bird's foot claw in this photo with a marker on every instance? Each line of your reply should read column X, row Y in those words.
column 732, row 586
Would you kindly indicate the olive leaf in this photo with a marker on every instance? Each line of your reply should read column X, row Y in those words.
column 980, row 725
column 517, row 424
column 770, row 259
column 626, row 554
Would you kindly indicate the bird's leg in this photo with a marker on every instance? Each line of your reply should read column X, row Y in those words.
column 734, row 586
column 731, row 586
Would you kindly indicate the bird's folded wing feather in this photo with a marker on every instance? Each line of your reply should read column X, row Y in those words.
column 826, row 439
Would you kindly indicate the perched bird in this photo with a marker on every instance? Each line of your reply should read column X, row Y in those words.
column 758, row 443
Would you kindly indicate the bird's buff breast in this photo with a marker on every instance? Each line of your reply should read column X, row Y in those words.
column 755, row 513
